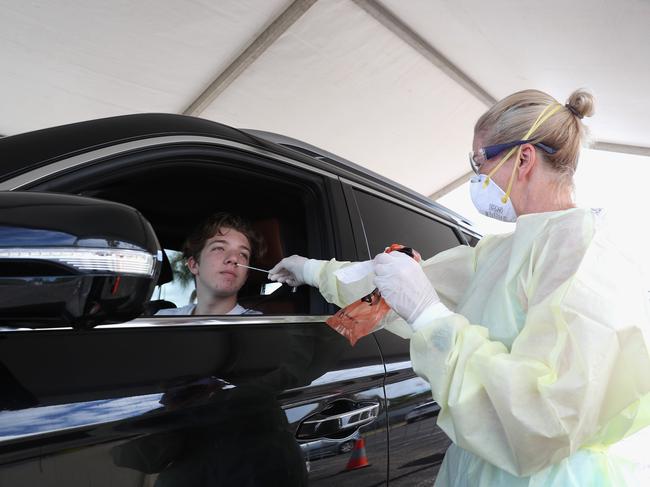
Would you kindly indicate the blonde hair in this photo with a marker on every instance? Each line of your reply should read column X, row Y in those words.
column 512, row 117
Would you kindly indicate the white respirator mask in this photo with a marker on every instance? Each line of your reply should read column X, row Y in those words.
column 488, row 199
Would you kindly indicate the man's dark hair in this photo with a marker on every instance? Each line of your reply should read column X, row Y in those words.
column 217, row 222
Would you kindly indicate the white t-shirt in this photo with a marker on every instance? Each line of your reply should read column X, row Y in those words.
column 189, row 309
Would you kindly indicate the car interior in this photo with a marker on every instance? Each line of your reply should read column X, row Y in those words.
column 176, row 194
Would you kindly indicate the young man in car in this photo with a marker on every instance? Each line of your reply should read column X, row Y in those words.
column 212, row 252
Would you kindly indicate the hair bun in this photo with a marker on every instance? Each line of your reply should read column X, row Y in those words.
column 581, row 103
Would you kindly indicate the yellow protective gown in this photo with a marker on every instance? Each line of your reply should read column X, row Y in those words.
column 545, row 362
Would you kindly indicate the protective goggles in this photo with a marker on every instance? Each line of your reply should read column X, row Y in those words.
column 476, row 159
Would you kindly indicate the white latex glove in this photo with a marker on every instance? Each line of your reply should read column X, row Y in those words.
column 296, row 271
column 404, row 286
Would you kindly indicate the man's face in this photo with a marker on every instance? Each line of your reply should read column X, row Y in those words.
column 215, row 272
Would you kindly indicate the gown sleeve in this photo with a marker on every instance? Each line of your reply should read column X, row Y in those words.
column 450, row 273
column 575, row 377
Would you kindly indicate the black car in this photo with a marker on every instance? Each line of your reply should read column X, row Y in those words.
column 97, row 391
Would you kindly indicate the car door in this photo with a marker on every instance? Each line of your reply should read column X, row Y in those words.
column 271, row 399
column 417, row 444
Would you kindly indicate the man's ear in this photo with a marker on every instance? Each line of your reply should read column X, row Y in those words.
column 193, row 265
column 527, row 161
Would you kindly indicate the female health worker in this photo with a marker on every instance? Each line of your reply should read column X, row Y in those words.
column 535, row 343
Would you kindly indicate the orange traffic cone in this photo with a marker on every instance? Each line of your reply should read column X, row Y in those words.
column 358, row 458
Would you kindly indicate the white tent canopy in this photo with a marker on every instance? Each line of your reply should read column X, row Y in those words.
column 394, row 85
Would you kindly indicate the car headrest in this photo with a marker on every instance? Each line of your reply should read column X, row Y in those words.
column 269, row 230
column 282, row 301
column 166, row 274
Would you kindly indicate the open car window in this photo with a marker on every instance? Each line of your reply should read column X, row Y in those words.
column 286, row 205
column 180, row 291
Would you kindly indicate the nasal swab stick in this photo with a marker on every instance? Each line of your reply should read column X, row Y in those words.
column 254, row 268
column 293, row 289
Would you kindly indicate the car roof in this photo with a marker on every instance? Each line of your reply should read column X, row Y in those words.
column 30, row 150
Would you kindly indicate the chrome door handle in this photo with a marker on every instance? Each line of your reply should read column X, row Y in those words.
column 322, row 424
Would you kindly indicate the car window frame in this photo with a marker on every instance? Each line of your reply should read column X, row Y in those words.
column 334, row 213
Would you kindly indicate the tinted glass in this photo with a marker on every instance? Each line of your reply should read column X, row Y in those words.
column 386, row 222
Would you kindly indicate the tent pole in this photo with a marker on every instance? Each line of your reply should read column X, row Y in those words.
column 390, row 21
column 256, row 48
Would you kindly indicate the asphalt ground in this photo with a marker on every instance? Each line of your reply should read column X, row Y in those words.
column 413, row 462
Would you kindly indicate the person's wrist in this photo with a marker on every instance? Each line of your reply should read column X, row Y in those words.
column 429, row 314
column 311, row 271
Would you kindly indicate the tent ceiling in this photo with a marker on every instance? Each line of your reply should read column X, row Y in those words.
column 392, row 85
column 73, row 60
column 556, row 46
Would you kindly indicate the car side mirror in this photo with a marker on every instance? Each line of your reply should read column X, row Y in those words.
column 73, row 261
